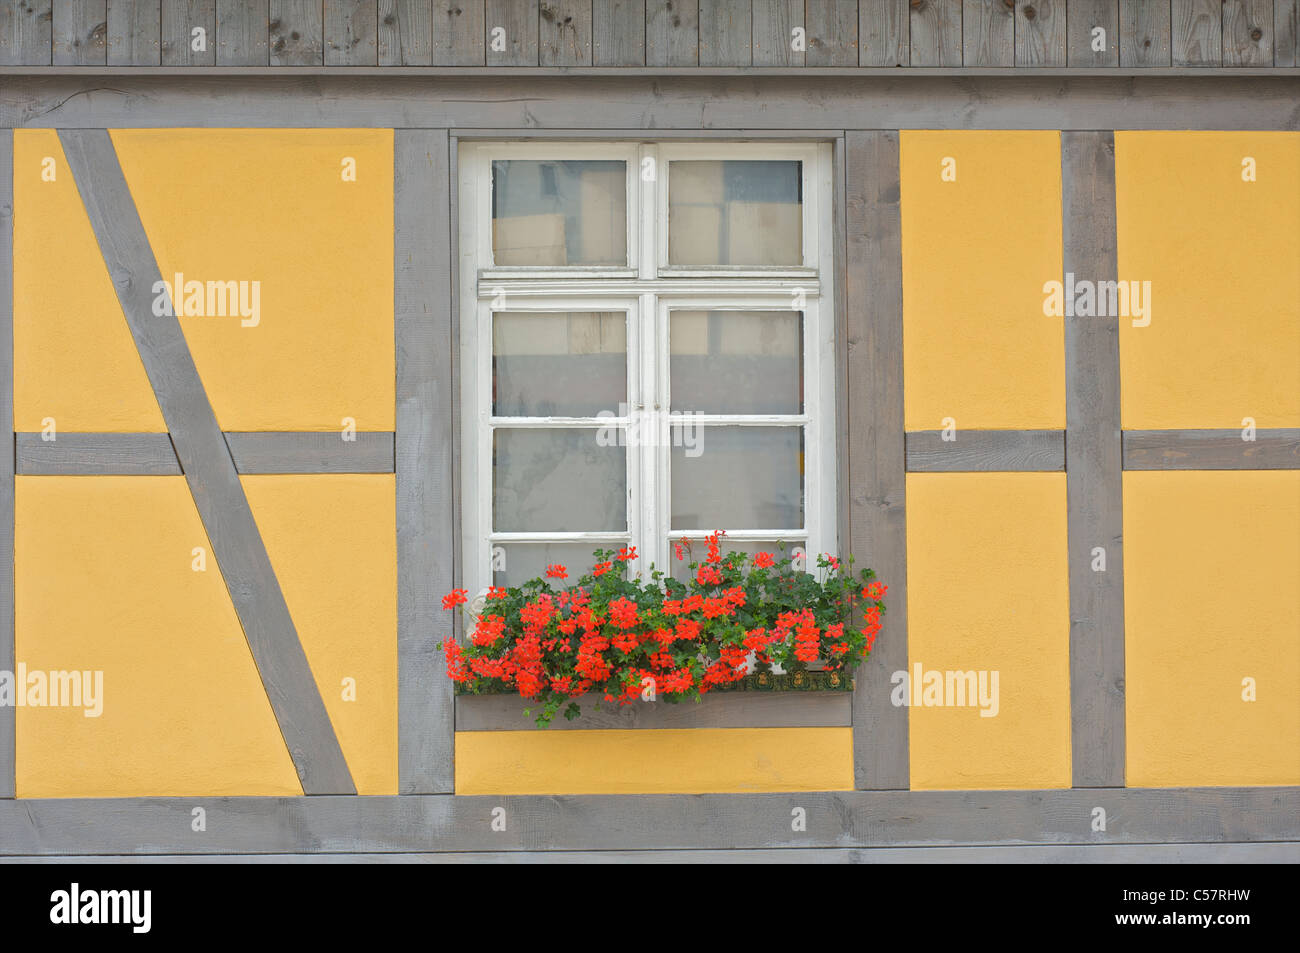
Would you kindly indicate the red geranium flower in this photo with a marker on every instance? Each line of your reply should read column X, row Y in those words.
column 764, row 561
column 556, row 571
column 457, row 597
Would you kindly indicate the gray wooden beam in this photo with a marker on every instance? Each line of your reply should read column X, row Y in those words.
column 6, row 458
column 833, row 32
column 1094, row 487
column 884, row 34
column 986, row 450
column 1083, row 17
column 618, row 32
column 459, row 33
column 1286, row 33
column 303, row 452
column 672, row 33
column 519, row 19
column 1272, row 449
column 726, row 33
column 877, row 489
column 405, row 32
column 1144, row 33
column 243, row 33
column 564, row 32
column 524, row 100
column 718, row 710
column 25, row 32
column 214, row 484
column 842, row 819
column 422, row 306
column 96, row 454
column 134, row 32
column 771, row 32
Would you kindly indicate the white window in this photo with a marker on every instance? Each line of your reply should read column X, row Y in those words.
column 647, row 351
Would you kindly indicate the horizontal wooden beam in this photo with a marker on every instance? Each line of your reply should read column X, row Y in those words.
column 843, row 819
column 986, row 451
column 748, row 101
column 719, row 710
column 96, row 454
column 1272, row 449
column 142, row 454
column 527, row 72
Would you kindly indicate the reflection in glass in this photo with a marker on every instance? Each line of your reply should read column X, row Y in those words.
column 737, row 362
column 735, row 212
column 742, row 478
column 571, row 364
column 556, row 212
column 515, row 563
column 546, row 480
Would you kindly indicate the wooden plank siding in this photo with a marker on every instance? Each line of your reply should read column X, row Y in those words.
column 988, row 36
column 405, row 32
column 243, row 32
column 832, row 27
column 26, row 32
column 459, row 33
column 564, row 33
column 884, row 33
column 189, row 32
column 672, row 33
column 296, row 33
column 1084, row 45
column 134, row 33
column 1247, row 33
column 936, row 33
column 618, row 32
column 772, row 34
column 1197, row 32
column 516, row 42
column 1144, row 33
column 1286, row 33
column 726, row 31
column 80, row 33
column 351, row 33
column 1041, row 27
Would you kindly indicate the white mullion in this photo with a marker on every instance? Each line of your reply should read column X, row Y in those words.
column 558, row 423
column 486, row 433
column 759, row 535
column 567, row 537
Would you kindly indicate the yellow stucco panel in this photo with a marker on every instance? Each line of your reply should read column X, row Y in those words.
column 667, row 761
column 277, row 207
column 74, row 360
column 105, row 581
column 1222, row 255
column 332, row 543
column 981, row 233
column 987, row 593
column 1211, row 566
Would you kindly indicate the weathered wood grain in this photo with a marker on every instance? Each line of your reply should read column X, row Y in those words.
column 986, row 450
column 772, row 32
column 721, row 710
column 1247, row 32
column 936, row 32
column 7, row 738
column 564, row 32
column 618, row 32
column 209, row 471
column 1197, row 32
column 26, row 37
column 726, row 29
column 841, row 819
column 884, row 34
column 243, row 32
column 422, row 294
column 519, row 20
column 80, row 33
column 672, row 33
column 303, row 452
column 180, row 18
column 1030, row 100
column 988, row 32
column 351, row 33
column 297, row 36
column 832, row 32
column 1083, row 17
column 1040, row 32
column 1093, row 469
column 877, row 490
column 1272, row 449
column 1144, row 33
column 134, row 32
column 1286, row 33
column 86, row 454
column 405, row 32
column 459, row 36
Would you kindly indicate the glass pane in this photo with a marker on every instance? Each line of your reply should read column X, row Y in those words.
column 700, row 550
column 735, row 212
column 558, row 480
column 553, row 212
column 515, row 563
column 737, row 362
column 572, row 364
column 739, row 478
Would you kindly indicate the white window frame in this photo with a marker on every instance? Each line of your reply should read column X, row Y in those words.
column 646, row 290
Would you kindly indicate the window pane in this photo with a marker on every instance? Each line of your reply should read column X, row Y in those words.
column 516, row 563
column 557, row 480
column 735, row 212
column 700, row 549
column 739, row 478
column 552, row 212
column 737, row 362
column 572, row 364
